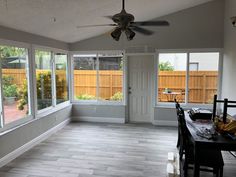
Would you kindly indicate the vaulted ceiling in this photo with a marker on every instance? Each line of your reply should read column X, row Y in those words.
column 58, row 19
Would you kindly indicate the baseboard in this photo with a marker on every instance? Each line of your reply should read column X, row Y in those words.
column 16, row 153
column 165, row 123
column 99, row 119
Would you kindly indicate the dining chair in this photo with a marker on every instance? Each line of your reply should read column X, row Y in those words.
column 210, row 161
column 177, row 106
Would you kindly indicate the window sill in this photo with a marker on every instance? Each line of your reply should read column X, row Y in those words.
column 24, row 121
column 16, row 124
column 97, row 103
column 51, row 110
column 185, row 106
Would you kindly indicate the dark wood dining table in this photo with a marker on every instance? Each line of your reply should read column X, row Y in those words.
column 220, row 142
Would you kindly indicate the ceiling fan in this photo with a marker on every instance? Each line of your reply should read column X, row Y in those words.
column 124, row 22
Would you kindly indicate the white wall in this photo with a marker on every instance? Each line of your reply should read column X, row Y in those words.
column 23, row 134
column 16, row 138
column 197, row 27
column 16, row 35
column 229, row 69
column 99, row 113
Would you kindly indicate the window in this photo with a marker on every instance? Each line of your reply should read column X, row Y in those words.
column 98, row 76
column 15, row 93
column 203, row 81
column 85, row 80
column 201, row 77
column 110, row 77
column 61, row 78
column 43, row 78
column 17, row 87
column 172, row 76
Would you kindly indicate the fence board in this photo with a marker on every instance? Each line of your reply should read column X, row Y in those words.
column 202, row 84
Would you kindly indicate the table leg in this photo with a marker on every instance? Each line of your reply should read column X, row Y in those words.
column 196, row 168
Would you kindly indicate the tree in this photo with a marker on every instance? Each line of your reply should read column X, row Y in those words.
column 165, row 66
column 44, row 92
column 6, row 51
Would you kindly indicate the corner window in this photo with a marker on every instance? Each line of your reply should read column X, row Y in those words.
column 19, row 97
column 199, row 70
column 51, row 78
column 61, row 78
column 43, row 78
column 14, row 77
column 98, row 77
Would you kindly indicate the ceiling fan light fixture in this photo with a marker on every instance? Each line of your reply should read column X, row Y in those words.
column 124, row 22
column 116, row 34
column 129, row 34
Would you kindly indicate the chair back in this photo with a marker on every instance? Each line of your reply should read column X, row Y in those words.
column 185, row 141
column 177, row 105
column 182, row 122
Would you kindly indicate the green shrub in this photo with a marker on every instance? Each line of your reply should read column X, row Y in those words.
column 9, row 89
column 44, row 85
column 7, row 80
column 23, row 96
column 118, row 96
column 165, row 66
column 44, row 93
column 85, row 97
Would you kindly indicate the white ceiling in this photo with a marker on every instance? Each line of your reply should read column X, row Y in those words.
column 36, row 16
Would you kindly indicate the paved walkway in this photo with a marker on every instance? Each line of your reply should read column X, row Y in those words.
column 11, row 113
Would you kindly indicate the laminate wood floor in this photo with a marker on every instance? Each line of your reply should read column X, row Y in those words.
column 103, row 150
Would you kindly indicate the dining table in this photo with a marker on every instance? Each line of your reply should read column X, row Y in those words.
column 219, row 141
column 171, row 96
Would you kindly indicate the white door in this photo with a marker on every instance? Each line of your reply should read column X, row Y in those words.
column 140, row 85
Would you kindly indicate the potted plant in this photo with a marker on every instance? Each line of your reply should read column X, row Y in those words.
column 10, row 94
column 9, row 90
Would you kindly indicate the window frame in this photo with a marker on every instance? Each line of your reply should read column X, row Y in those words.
column 97, row 101
column 54, row 106
column 39, row 48
column 27, row 118
column 188, row 51
column 31, row 74
column 67, row 75
column 194, row 63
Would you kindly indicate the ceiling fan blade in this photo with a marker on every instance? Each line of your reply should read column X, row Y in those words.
column 87, row 26
column 142, row 30
column 109, row 16
column 151, row 23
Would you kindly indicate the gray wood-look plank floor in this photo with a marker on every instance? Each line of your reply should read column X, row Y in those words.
column 103, row 150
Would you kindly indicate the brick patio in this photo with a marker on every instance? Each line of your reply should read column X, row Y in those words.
column 11, row 113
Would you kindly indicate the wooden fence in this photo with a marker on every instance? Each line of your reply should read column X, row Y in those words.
column 19, row 75
column 110, row 82
column 202, row 84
